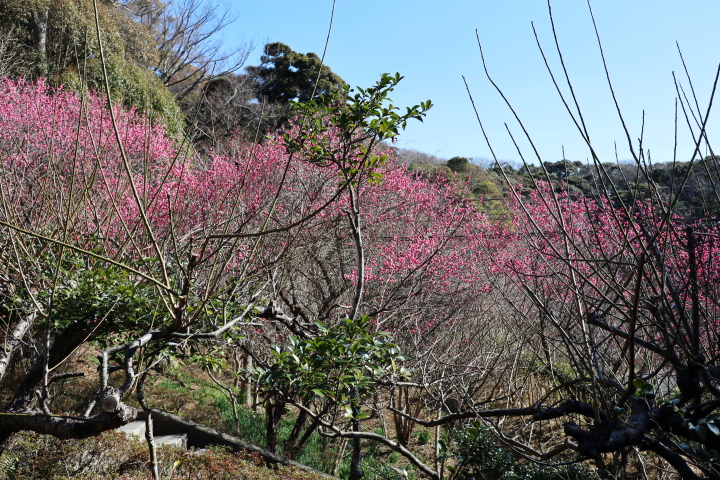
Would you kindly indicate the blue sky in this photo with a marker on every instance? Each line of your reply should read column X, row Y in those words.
column 433, row 44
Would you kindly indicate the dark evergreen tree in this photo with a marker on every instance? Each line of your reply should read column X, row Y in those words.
column 286, row 75
column 458, row 164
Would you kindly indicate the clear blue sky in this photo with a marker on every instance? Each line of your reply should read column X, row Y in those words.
column 433, row 44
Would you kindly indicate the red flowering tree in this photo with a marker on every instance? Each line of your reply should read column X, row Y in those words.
column 114, row 233
column 617, row 299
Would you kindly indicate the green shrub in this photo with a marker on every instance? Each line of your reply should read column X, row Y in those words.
column 475, row 453
column 423, row 436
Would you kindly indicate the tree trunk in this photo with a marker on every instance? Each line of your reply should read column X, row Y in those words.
column 14, row 339
column 64, row 427
column 355, row 472
column 152, row 446
column 40, row 19
column 248, row 383
column 63, row 345
column 292, row 446
column 273, row 414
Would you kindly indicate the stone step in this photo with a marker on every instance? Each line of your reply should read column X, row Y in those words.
column 136, row 428
column 178, row 440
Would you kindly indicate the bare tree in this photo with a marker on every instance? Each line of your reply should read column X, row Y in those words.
column 11, row 61
column 621, row 297
column 225, row 108
column 187, row 33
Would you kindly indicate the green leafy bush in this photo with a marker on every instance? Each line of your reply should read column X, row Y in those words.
column 342, row 365
column 474, row 453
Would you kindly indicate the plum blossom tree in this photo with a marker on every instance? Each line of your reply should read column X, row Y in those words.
column 113, row 235
column 618, row 296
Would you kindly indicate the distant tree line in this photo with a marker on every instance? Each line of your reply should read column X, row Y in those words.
column 692, row 185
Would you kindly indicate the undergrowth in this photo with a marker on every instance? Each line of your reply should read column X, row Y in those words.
column 121, row 457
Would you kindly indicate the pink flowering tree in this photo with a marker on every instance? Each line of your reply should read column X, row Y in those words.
column 617, row 300
column 113, row 233
column 611, row 311
column 401, row 256
column 621, row 300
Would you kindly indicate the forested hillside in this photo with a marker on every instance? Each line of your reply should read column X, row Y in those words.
column 244, row 245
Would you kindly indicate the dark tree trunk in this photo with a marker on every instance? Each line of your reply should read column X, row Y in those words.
column 273, row 414
column 292, row 446
column 64, row 427
column 64, row 344
column 355, row 472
